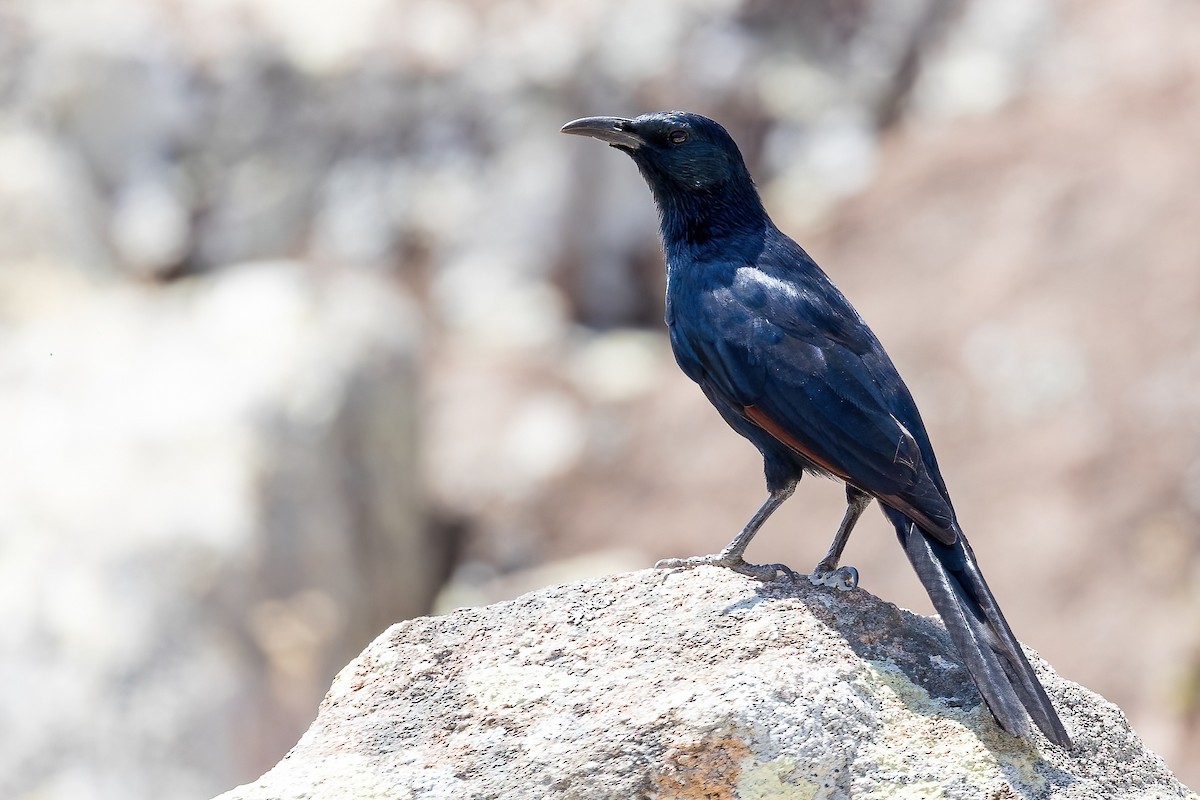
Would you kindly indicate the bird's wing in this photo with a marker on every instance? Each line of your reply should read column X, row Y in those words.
column 799, row 363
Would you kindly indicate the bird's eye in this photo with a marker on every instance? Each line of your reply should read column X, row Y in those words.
column 677, row 136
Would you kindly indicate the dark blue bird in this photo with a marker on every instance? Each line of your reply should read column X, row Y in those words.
column 791, row 366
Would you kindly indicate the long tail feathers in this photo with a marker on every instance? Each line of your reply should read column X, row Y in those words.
column 979, row 631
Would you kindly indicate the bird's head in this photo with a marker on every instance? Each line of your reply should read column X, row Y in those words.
column 675, row 151
column 695, row 171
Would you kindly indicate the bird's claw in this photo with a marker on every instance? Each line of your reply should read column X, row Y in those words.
column 842, row 578
column 763, row 572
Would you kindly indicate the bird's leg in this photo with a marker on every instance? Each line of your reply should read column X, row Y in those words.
column 731, row 556
column 828, row 573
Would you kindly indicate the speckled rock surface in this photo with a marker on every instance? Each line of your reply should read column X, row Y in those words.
column 698, row 684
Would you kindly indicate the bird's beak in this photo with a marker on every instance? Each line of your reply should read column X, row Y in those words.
column 616, row 131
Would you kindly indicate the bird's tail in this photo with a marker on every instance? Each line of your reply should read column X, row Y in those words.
column 979, row 631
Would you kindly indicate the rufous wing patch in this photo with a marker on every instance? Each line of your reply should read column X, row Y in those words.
column 760, row 418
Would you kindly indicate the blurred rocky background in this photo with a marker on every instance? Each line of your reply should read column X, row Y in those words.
column 311, row 321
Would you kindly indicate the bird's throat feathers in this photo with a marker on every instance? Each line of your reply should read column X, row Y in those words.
column 700, row 202
column 692, row 217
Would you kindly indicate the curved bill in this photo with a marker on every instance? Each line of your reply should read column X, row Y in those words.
column 616, row 131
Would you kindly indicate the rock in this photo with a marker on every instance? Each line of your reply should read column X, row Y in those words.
column 47, row 204
column 691, row 684
column 209, row 504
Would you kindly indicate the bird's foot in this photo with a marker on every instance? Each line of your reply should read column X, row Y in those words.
column 843, row 578
column 762, row 572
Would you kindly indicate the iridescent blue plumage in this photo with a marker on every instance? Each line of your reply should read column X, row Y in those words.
column 791, row 366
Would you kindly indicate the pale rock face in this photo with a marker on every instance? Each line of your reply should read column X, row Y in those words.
column 691, row 684
column 210, row 501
